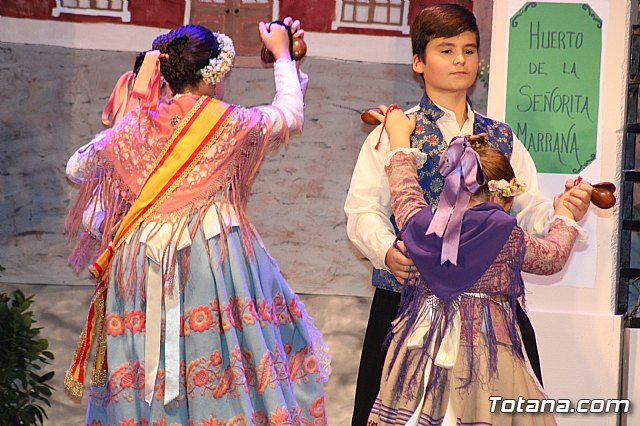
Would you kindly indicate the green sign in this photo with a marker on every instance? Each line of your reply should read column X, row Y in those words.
column 553, row 82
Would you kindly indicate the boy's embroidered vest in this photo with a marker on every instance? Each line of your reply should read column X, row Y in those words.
column 428, row 137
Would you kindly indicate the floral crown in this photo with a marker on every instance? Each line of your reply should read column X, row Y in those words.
column 506, row 189
column 219, row 66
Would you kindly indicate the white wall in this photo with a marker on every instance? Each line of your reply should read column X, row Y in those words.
column 578, row 333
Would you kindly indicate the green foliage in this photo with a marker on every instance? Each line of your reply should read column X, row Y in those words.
column 23, row 386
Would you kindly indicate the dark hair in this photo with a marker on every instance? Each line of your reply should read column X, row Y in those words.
column 445, row 20
column 495, row 165
column 189, row 49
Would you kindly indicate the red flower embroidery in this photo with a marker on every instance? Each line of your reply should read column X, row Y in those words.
column 114, row 325
column 237, row 420
column 216, row 358
column 200, row 318
column 135, row 321
column 201, row 377
column 128, row 422
column 280, row 417
column 127, row 379
column 311, row 364
column 95, row 423
column 160, row 422
column 287, row 348
column 293, row 307
column 283, row 317
column 211, row 422
column 264, row 373
column 228, row 377
column 247, row 318
column 260, row 418
column 317, row 408
column 277, row 299
column 296, row 362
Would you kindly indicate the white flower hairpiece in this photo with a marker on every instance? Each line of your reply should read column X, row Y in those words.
column 219, row 66
column 507, row 189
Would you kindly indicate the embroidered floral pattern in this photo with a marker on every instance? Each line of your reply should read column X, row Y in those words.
column 240, row 312
column 114, row 325
column 135, row 321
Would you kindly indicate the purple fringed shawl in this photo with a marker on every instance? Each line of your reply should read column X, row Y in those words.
column 490, row 257
column 485, row 229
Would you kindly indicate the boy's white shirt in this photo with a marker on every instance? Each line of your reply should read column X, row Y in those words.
column 368, row 203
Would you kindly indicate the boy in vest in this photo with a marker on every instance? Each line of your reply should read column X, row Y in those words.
column 445, row 42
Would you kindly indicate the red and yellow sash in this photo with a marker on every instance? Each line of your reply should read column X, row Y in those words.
column 193, row 137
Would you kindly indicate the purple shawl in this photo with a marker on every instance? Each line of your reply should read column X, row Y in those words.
column 485, row 229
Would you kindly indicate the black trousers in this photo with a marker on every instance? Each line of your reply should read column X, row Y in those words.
column 384, row 309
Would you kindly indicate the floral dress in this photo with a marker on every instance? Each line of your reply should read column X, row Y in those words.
column 201, row 327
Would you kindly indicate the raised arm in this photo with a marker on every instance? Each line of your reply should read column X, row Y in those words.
column 286, row 112
column 406, row 194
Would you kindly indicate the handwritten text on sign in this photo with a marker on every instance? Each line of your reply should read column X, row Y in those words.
column 553, row 82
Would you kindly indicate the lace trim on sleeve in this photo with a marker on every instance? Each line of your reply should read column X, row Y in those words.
column 582, row 234
column 420, row 156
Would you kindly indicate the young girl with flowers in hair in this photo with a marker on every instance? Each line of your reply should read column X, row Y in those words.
column 455, row 343
column 191, row 319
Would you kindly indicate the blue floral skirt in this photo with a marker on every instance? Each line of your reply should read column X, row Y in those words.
column 249, row 353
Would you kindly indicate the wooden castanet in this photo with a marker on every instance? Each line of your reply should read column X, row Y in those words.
column 603, row 195
column 368, row 118
column 297, row 48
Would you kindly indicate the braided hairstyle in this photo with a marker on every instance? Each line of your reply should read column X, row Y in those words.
column 495, row 165
column 189, row 49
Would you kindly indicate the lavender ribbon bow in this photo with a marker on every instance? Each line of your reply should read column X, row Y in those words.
column 460, row 166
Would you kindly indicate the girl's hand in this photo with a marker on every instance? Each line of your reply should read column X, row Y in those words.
column 398, row 125
column 560, row 206
column 276, row 38
column 296, row 31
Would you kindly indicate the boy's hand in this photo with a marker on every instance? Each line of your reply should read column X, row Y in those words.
column 400, row 265
column 577, row 197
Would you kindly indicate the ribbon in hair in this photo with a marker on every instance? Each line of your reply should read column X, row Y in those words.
column 460, row 166
column 118, row 105
column 146, row 87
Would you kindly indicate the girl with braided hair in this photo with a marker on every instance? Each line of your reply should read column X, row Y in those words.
column 192, row 321
column 455, row 343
